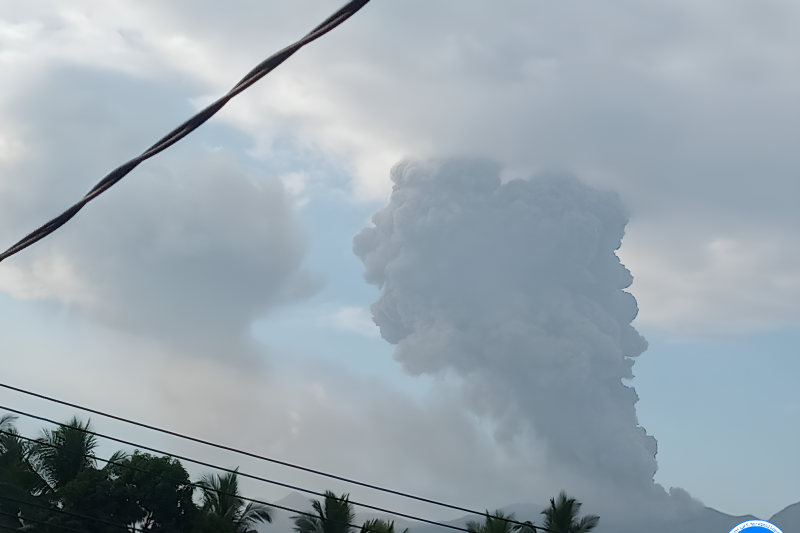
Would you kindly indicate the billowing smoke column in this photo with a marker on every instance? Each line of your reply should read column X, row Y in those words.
column 516, row 288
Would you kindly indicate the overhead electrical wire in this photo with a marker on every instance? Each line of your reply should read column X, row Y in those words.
column 158, row 474
column 264, row 68
column 245, row 453
column 120, row 172
column 244, row 474
column 16, row 528
column 41, row 522
column 76, row 515
column 197, row 485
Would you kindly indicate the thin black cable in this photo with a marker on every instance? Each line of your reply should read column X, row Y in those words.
column 192, row 484
column 228, row 470
column 17, row 529
column 264, row 68
column 248, row 454
column 61, row 511
column 40, row 522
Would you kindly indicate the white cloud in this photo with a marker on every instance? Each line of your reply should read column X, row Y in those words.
column 735, row 285
column 189, row 249
column 352, row 318
column 687, row 109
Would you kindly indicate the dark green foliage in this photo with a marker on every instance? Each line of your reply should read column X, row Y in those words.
column 562, row 516
column 160, row 489
column 493, row 523
column 56, row 480
column 46, row 480
column 61, row 455
column 379, row 526
column 526, row 527
column 19, row 482
column 93, row 494
column 15, row 457
column 332, row 516
column 222, row 501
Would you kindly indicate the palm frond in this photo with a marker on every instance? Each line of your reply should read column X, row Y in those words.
column 526, row 527
column 116, row 457
column 7, row 422
column 474, row 527
column 254, row 513
column 587, row 523
column 61, row 454
column 378, row 525
column 307, row 524
column 562, row 516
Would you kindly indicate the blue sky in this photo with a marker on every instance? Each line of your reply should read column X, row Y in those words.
column 687, row 111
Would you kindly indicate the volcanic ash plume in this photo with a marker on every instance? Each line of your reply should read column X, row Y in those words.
column 517, row 289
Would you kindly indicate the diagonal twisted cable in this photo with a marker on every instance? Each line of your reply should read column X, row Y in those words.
column 264, row 68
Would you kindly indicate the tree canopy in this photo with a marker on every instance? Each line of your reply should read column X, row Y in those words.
column 56, row 483
column 562, row 516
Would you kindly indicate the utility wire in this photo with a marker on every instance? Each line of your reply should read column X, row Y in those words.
column 264, row 68
column 17, row 529
column 40, row 522
column 243, row 474
column 199, row 486
column 61, row 511
column 249, row 454
column 157, row 474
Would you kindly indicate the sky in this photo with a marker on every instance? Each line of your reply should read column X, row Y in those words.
column 216, row 289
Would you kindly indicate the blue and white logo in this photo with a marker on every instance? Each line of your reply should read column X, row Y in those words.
column 756, row 526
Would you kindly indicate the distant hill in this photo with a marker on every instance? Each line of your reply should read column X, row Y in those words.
column 706, row 521
column 788, row 519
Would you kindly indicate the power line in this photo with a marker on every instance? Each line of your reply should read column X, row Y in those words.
column 61, row 511
column 17, row 529
column 243, row 474
column 247, row 454
column 264, row 68
column 198, row 485
column 41, row 522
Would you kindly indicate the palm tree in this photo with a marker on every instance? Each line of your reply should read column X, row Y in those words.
column 526, row 527
column 15, row 466
column 335, row 516
column 19, row 482
column 60, row 455
column 222, row 499
column 16, row 455
column 7, row 422
column 496, row 522
column 562, row 516
column 379, row 526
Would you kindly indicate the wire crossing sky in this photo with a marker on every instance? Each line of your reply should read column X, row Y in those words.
column 226, row 265
column 245, row 453
column 510, row 520
column 61, row 511
column 267, row 66
column 129, row 467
